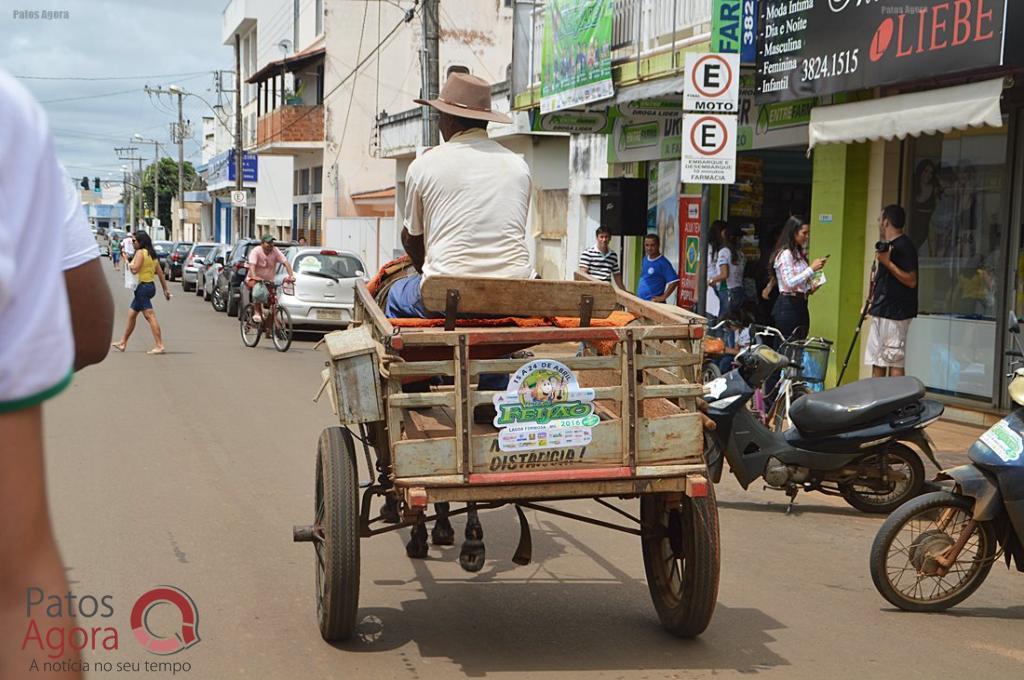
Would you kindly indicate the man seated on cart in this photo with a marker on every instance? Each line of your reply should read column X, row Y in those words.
column 466, row 200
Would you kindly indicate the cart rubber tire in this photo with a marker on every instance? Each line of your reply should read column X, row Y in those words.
column 917, row 478
column 685, row 609
column 890, row 530
column 338, row 483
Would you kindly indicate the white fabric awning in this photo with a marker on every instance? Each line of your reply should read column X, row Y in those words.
column 917, row 113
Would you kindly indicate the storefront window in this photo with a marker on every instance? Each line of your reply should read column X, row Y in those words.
column 955, row 211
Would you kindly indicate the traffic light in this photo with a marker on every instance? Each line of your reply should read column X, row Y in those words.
column 96, row 184
column 85, row 183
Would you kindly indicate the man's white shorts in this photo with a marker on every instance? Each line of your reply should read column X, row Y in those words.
column 887, row 343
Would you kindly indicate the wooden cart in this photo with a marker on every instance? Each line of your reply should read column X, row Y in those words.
column 637, row 381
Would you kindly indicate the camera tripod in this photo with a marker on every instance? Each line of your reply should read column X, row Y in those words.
column 860, row 322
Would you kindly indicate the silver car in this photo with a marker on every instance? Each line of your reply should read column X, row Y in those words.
column 325, row 283
column 195, row 259
column 206, row 274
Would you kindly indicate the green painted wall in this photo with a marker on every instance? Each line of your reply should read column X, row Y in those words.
column 839, row 189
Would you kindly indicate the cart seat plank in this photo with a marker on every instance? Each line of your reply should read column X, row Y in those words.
column 518, row 297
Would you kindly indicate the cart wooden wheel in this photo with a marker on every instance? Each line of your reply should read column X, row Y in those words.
column 337, row 546
column 681, row 557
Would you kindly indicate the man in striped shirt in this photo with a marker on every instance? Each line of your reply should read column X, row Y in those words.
column 599, row 261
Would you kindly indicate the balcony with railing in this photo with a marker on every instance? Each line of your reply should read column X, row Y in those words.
column 648, row 37
column 288, row 129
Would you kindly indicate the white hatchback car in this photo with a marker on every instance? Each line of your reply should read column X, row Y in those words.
column 325, row 283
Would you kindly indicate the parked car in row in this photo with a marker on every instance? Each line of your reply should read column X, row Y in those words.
column 195, row 259
column 163, row 252
column 229, row 281
column 174, row 263
column 324, row 292
column 206, row 275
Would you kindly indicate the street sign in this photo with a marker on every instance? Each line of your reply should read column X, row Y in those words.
column 712, row 83
column 709, row 148
column 239, row 199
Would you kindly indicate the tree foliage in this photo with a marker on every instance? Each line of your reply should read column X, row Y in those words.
column 168, row 185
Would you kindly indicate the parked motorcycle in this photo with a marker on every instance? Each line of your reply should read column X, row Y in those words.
column 850, row 441
column 936, row 550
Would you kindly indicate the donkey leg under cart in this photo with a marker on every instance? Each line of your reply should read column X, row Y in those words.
column 621, row 422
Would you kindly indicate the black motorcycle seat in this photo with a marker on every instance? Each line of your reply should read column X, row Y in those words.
column 859, row 403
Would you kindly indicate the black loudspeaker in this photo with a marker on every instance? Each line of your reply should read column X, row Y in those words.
column 624, row 206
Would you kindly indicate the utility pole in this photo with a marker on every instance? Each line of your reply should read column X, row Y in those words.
column 127, row 153
column 179, row 131
column 156, row 174
column 238, row 133
column 430, row 70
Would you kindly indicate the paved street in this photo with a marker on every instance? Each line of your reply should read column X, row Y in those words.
column 190, row 469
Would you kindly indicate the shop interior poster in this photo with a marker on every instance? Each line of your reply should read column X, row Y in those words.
column 576, row 58
column 689, row 246
column 668, row 210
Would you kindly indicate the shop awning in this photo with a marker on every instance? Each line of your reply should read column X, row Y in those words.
column 918, row 113
column 649, row 90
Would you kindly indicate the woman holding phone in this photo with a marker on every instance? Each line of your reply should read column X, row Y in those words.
column 796, row 278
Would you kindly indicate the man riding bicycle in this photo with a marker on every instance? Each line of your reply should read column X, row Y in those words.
column 263, row 260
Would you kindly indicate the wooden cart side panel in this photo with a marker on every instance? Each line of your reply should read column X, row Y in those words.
column 671, row 440
column 427, row 457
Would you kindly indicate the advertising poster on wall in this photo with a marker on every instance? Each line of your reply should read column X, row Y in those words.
column 689, row 246
column 576, row 58
column 668, row 210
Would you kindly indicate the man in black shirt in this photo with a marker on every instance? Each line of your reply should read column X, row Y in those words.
column 894, row 300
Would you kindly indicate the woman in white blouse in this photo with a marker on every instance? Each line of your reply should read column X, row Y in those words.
column 795, row 277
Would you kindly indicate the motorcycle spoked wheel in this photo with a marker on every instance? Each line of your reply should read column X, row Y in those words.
column 903, row 461
column 903, row 555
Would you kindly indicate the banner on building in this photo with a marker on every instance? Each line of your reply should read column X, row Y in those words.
column 726, row 26
column 689, row 247
column 808, row 48
column 647, row 130
column 748, row 39
column 770, row 125
column 573, row 122
column 576, row 57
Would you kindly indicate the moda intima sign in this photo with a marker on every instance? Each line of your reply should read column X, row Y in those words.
column 808, row 48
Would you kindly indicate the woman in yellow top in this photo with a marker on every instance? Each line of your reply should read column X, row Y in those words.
column 146, row 266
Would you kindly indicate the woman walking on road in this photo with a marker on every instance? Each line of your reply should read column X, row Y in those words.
column 144, row 265
column 795, row 277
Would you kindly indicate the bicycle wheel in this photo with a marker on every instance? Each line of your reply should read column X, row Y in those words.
column 778, row 417
column 250, row 330
column 282, row 329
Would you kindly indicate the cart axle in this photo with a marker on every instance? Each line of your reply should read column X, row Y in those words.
column 307, row 533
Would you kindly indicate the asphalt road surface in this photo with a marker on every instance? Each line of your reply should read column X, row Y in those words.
column 190, row 469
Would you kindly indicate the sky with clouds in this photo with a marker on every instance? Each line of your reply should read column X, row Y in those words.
column 116, row 39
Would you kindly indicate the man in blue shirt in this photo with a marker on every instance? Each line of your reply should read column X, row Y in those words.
column 658, row 280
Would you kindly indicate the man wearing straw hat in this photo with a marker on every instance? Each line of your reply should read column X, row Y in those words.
column 466, row 200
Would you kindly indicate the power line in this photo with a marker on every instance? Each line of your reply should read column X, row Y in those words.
column 160, row 75
column 105, row 94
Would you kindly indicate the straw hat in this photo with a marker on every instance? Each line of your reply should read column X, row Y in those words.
column 466, row 96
